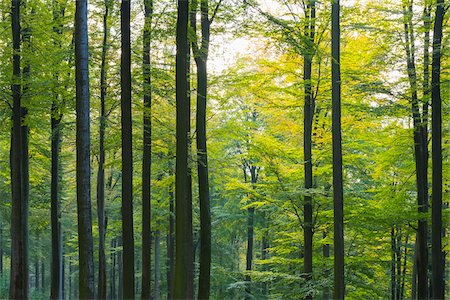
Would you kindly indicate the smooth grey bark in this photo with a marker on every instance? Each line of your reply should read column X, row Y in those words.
column 127, row 153
column 437, row 260
column 184, row 256
column 85, row 240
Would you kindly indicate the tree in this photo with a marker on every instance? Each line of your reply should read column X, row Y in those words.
column 101, row 285
column 146, row 157
column 308, row 116
column 338, row 196
column 127, row 153
column 184, row 256
column 56, row 116
column 18, row 288
column 437, row 258
column 201, row 57
column 85, row 241
column 420, row 153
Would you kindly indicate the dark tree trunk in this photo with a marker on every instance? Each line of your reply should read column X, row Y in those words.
column 437, row 260
column 338, row 193
column 156, row 270
column 307, row 141
column 250, row 231
column 201, row 57
column 405, row 258
column 36, row 275
column 127, row 154
column 249, row 256
column 326, row 255
column 146, row 158
column 112, row 276
column 398, row 254
column 101, row 285
column 184, row 267
column 43, row 275
column 420, row 147
column 18, row 288
column 393, row 260
column 85, row 241
column 1, row 249
column 171, row 246
column 120, row 271
column 55, row 284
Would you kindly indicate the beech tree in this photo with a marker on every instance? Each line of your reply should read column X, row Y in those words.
column 85, row 241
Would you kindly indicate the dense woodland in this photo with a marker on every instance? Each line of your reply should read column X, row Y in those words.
column 224, row 149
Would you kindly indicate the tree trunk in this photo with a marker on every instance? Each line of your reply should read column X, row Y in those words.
column 101, row 285
column 36, row 275
column 326, row 255
column 120, row 271
column 420, row 147
column 18, row 288
column 393, row 260
column 127, row 154
column 1, row 249
column 184, row 267
column 249, row 256
column 85, row 241
column 250, row 231
column 437, row 260
column 43, row 275
column 307, row 142
column 146, row 158
column 55, row 284
column 157, row 241
column 201, row 57
column 338, row 194
column 112, row 276
column 171, row 246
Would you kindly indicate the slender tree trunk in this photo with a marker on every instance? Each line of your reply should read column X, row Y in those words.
column 156, row 270
column 120, row 271
column 201, row 57
column 146, row 158
column 18, row 288
column 43, row 275
column 338, row 194
column 36, row 276
column 184, row 268
column 437, row 260
column 326, row 255
column 419, row 150
column 405, row 258
column 127, row 154
column 171, row 246
column 1, row 249
column 113, row 269
column 398, row 264
column 393, row 260
column 249, row 256
column 101, row 285
column 85, row 241
column 307, row 142
column 250, row 231
column 55, row 284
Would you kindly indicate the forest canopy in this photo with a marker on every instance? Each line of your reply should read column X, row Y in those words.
column 224, row 149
